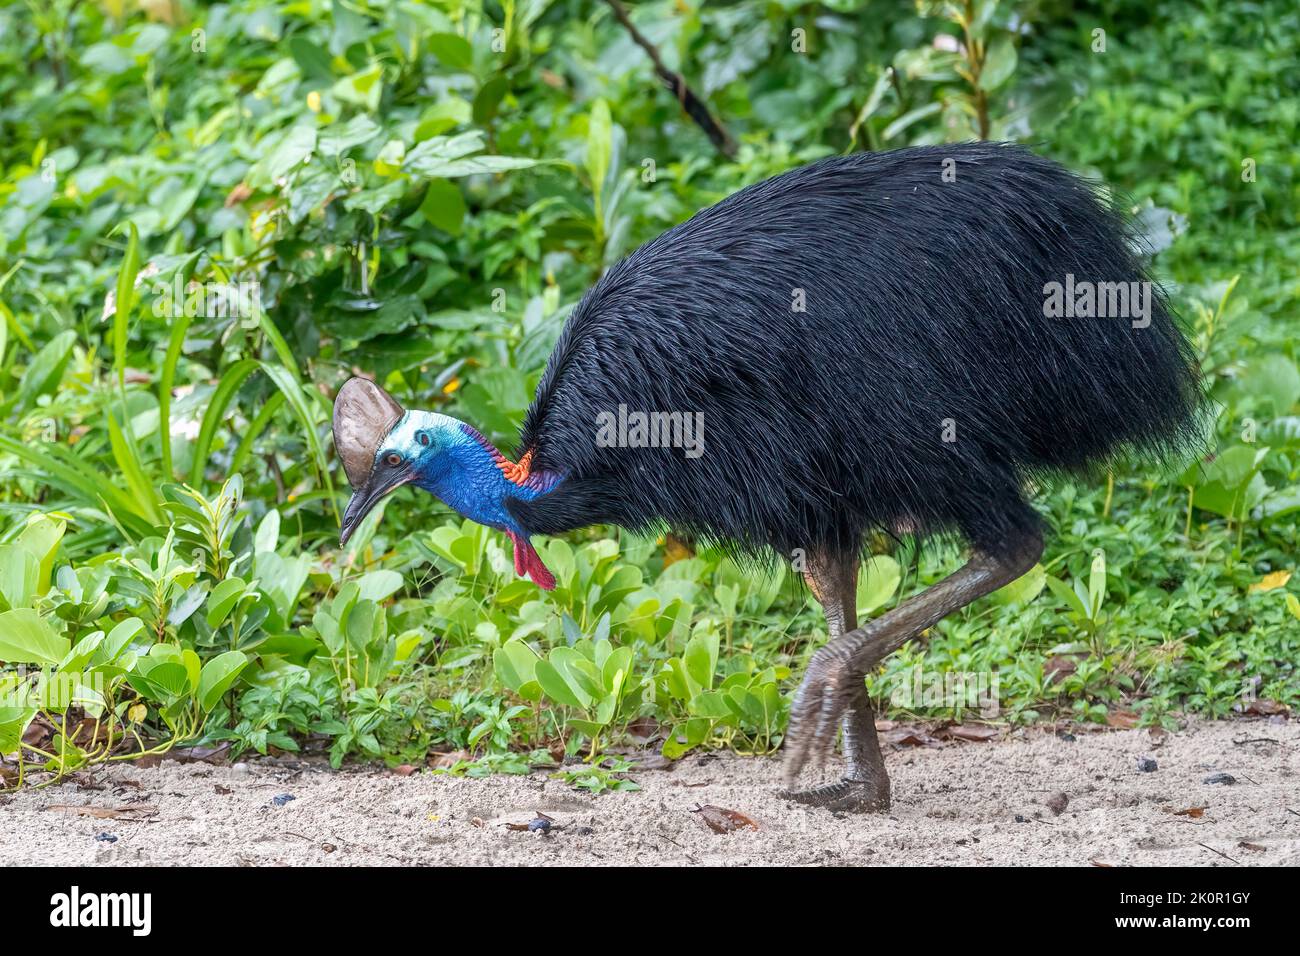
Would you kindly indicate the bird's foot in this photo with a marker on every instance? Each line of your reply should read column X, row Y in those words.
column 845, row 796
column 830, row 687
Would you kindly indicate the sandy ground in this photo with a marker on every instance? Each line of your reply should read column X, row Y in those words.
column 959, row 804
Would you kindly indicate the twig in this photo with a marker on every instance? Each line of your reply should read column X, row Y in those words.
column 694, row 106
column 1224, row 855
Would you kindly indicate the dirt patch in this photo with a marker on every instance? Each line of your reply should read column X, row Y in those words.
column 960, row 804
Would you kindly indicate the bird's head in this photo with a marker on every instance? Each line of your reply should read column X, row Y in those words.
column 383, row 446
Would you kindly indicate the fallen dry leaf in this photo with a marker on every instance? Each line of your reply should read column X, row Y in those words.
column 908, row 736
column 237, row 195
column 722, row 820
column 1194, row 812
column 106, row 813
column 405, row 770
column 1059, row 668
column 1262, row 708
column 1270, row 582
column 445, row 761
column 1124, row 719
column 644, row 728
column 1252, row 847
column 201, row 754
column 977, row 733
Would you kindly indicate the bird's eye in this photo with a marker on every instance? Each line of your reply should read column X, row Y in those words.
column 423, row 438
column 394, row 459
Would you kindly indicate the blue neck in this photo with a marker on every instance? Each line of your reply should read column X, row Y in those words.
column 464, row 471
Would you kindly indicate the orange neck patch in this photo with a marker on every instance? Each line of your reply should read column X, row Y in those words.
column 516, row 472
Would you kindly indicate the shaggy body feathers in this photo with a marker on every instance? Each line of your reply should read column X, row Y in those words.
column 924, row 319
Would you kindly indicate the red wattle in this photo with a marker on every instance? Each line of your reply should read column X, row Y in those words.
column 529, row 562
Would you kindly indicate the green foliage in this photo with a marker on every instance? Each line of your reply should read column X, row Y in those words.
column 211, row 215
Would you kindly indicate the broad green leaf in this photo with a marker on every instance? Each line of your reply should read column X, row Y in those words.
column 218, row 675
column 1067, row 596
column 701, row 659
column 41, row 538
column 45, row 370
column 378, row 585
column 20, row 574
column 25, row 638
column 117, row 640
column 444, row 206
column 451, row 49
column 877, row 582
column 999, row 62
column 223, row 599
column 1023, row 589
column 557, row 688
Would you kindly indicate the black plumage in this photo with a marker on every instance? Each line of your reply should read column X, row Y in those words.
column 919, row 387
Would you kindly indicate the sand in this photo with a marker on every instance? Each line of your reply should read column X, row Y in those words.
column 958, row 804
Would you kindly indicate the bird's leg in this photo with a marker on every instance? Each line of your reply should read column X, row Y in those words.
column 834, row 676
column 865, row 786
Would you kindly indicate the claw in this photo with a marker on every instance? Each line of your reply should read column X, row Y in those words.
column 851, row 796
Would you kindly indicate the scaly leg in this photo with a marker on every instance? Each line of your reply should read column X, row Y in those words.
column 833, row 681
column 865, row 785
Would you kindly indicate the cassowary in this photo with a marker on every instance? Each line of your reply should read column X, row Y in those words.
column 873, row 342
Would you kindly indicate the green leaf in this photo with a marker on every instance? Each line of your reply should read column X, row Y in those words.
column 19, row 575
column 227, row 387
column 25, row 638
column 877, row 582
column 1066, row 595
column 444, row 206
column 378, row 585
column 362, row 89
column 1023, row 589
column 223, row 599
column 1275, row 379
column 117, row 640
column 701, row 659
column 600, row 149
column 1097, row 583
column 515, row 666
column 218, row 675
column 311, row 59
column 129, row 464
column 556, row 688
column 488, row 99
column 45, row 370
column 41, row 538
column 124, row 301
column 452, row 50
column 999, row 62
column 14, row 722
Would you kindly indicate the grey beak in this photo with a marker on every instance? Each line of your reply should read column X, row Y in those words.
column 364, row 414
